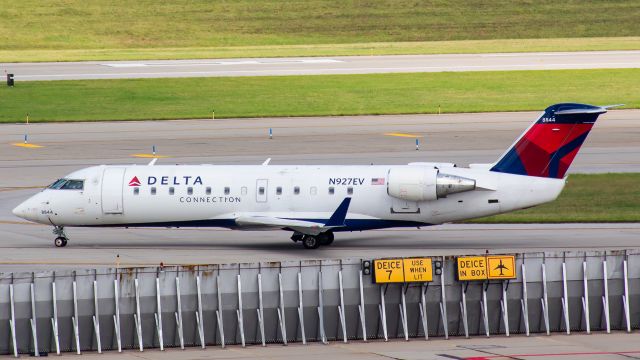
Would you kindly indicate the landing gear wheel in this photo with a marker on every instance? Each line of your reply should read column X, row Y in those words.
column 297, row 237
column 326, row 238
column 61, row 237
column 310, row 242
column 60, row 241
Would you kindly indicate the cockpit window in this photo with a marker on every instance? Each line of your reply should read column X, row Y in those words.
column 67, row 184
column 57, row 184
column 73, row 185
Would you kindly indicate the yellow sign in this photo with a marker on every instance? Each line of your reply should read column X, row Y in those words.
column 472, row 268
column 501, row 267
column 486, row 267
column 388, row 271
column 418, row 270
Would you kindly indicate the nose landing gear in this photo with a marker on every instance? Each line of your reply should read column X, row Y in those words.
column 61, row 239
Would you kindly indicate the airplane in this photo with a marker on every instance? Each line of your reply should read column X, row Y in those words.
column 312, row 201
column 501, row 267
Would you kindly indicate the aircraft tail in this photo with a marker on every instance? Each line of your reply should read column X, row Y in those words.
column 548, row 146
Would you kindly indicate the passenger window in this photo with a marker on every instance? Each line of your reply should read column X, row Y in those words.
column 296, row 190
column 244, row 190
column 227, row 190
column 313, row 190
column 136, row 191
column 172, row 191
column 350, row 190
column 261, row 190
column 332, row 190
column 279, row 190
column 153, row 190
column 189, row 190
column 208, row 190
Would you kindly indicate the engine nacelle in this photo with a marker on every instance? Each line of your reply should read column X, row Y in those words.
column 415, row 183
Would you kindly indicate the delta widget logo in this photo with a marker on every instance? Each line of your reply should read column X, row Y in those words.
column 134, row 181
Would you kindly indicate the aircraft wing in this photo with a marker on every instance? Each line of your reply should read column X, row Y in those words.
column 305, row 227
column 337, row 219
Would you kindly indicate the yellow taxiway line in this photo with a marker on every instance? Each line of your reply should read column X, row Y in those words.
column 149, row 156
column 404, row 135
column 27, row 145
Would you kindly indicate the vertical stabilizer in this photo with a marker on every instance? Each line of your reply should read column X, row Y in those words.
column 547, row 148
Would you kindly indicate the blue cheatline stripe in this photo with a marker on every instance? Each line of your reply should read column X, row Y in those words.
column 350, row 224
column 556, row 156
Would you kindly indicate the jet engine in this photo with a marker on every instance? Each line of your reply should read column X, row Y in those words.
column 415, row 183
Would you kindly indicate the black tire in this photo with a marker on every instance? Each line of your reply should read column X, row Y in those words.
column 326, row 238
column 60, row 241
column 310, row 242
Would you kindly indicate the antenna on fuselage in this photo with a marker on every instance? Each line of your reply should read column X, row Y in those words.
column 266, row 162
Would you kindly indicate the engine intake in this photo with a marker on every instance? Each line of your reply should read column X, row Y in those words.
column 415, row 183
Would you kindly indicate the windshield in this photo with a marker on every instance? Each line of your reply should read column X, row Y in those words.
column 67, row 184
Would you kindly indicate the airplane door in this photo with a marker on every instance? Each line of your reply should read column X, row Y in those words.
column 112, row 183
column 261, row 190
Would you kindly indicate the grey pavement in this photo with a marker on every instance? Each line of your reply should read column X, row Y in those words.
column 321, row 65
column 574, row 347
column 612, row 146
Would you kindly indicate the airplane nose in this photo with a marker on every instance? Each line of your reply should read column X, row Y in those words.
column 20, row 211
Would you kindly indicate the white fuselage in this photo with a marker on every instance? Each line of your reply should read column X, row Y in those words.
column 212, row 195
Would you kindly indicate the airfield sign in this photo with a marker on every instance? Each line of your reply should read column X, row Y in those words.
column 402, row 270
column 490, row 267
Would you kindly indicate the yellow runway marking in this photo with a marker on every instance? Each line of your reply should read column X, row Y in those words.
column 8, row 222
column 404, row 135
column 27, row 145
column 150, row 156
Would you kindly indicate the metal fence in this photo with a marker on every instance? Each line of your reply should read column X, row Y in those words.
column 324, row 300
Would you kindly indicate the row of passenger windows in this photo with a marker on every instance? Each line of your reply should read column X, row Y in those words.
column 261, row 190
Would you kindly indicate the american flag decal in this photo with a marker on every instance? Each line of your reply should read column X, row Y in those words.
column 377, row 181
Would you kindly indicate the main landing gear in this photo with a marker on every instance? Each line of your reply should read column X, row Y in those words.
column 313, row 241
column 61, row 239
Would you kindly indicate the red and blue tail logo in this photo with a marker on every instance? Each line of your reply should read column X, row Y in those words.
column 549, row 146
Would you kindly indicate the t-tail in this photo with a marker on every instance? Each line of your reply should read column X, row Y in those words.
column 547, row 148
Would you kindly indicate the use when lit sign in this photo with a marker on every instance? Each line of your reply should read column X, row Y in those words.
column 402, row 270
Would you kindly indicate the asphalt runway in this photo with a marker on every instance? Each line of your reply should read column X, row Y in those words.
column 462, row 138
column 321, row 65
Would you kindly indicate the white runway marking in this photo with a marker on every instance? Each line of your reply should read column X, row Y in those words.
column 218, row 63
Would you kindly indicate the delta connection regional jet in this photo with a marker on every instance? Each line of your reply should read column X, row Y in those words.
column 314, row 202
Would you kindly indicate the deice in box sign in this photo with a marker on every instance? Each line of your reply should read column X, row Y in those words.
column 472, row 268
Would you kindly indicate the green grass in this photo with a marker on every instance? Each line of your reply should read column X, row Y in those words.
column 586, row 198
column 65, row 29
column 130, row 99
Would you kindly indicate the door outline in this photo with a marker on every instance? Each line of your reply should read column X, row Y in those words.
column 111, row 190
column 262, row 198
